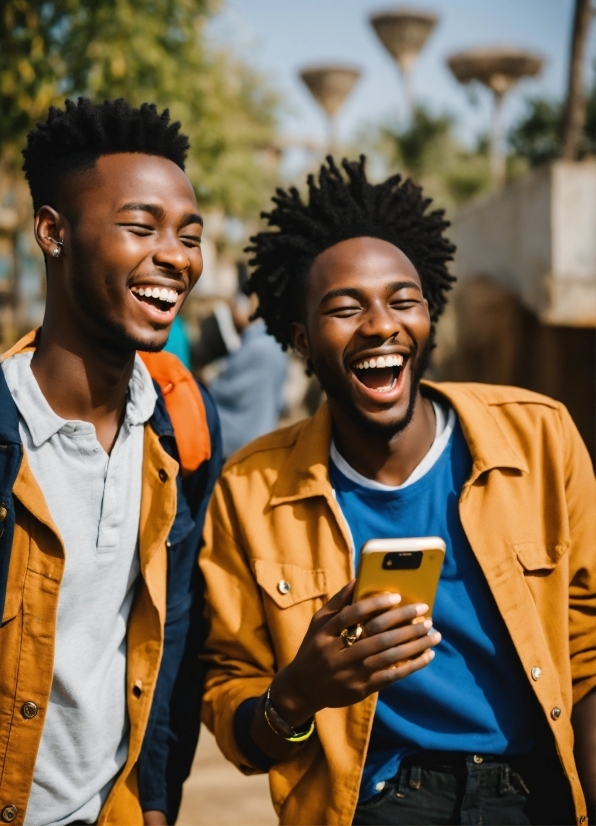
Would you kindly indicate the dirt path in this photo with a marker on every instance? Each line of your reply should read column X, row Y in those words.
column 217, row 794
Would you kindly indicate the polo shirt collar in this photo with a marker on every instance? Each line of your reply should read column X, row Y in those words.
column 43, row 423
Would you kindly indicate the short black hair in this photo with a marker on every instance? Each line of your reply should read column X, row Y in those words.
column 339, row 209
column 73, row 138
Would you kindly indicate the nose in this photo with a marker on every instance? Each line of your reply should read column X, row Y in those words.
column 171, row 254
column 380, row 322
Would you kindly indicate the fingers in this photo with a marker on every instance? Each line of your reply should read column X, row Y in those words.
column 338, row 601
column 341, row 599
column 391, row 619
column 362, row 611
column 382, row 679
column 405, row 651
column 369, row 646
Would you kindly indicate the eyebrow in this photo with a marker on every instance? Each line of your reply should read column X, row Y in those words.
column 158, row 212
column 352, row 292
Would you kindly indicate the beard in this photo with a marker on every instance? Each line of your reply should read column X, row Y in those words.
column 376, row 429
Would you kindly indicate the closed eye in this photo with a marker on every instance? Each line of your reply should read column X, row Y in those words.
column 191, row 240
column 405, row 303
column 138, row 229
column 345, row 311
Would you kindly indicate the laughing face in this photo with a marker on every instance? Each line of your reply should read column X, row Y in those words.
column 131, row 250
column 366, row 331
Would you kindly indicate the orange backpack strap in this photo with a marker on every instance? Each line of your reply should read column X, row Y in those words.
column 185, row 407
column 23, row 345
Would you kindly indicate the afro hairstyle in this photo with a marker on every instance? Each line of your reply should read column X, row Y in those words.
column 342, row 207
column 72, row 139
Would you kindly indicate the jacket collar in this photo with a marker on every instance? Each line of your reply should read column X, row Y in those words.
column 306, row 471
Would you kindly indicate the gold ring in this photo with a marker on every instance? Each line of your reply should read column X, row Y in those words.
column 351, row 635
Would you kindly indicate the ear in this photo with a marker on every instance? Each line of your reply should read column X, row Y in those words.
column 299, row 338
column 49, row 229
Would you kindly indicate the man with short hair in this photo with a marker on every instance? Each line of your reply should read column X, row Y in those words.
column 360, row 714
column 107, row 460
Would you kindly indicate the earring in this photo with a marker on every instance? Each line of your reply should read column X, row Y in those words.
column 56, row 252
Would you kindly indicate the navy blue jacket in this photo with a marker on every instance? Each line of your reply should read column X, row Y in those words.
column 173, row 727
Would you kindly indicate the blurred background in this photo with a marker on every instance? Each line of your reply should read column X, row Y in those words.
column 490, row 106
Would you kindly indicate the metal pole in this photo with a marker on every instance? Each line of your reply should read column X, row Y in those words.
column 407, row 78
column 497, row 156
column 331, row 134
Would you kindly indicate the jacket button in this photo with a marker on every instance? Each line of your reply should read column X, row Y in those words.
column 9, row 813
column 3, row 513
column 163, row 475
column 582, row 819
column 29, row 710
column 536, row 672
column 284, row 587
column 555, row 713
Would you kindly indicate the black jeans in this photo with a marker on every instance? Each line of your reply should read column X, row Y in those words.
column 456, row 788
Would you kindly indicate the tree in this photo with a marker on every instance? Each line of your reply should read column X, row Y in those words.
column 428, row 152
column 538, row 136
column 153, row 50
column 574, row 111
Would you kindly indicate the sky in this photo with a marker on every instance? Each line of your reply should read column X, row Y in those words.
column 280, row 37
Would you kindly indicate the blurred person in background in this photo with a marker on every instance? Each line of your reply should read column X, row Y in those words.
column 179, row 343
column 484, row 714
column 108, row 457
column 248, row 390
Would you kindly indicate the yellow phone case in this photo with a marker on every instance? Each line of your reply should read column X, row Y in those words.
column 409, row 567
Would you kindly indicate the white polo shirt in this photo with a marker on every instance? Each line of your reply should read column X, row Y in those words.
column 94, row 500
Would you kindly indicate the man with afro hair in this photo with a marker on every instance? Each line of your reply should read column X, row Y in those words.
column 370, row 710
column 108, row 455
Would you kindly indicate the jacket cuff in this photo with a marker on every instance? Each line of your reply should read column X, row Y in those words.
column 242, row 724
column 160, row 804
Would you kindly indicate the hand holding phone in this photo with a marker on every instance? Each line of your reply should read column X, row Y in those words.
column 408, row 567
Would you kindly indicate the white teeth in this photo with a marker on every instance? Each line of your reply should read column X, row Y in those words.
column 163, row 294
column 382, row 361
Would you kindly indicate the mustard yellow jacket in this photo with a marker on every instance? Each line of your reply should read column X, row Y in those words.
column 28, row 628
column 528, row 512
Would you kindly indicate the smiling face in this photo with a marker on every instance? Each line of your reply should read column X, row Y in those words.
column 131, row 254
column 366, row 332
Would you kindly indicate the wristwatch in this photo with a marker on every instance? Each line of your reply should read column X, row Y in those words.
column 281, row 728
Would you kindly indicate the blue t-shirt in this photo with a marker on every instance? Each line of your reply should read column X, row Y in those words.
column 473, row 696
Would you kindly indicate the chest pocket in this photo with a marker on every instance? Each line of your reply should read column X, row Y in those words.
column 538, row 557
column 289, row 585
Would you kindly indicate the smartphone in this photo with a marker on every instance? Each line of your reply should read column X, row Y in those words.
column 409, row 567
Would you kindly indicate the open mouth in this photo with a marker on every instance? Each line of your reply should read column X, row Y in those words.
column 380, row 374
column 160, row 298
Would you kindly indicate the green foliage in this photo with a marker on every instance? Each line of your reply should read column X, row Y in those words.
column 421, row 145
column 153, row 50
column 538, row 135
column 428, row 152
